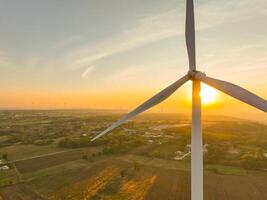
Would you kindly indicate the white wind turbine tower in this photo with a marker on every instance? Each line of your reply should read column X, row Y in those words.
column 196, row 77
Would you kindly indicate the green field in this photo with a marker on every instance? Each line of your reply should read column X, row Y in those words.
column 227, row 170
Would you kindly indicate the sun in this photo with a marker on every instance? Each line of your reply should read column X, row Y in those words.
column 208, row 94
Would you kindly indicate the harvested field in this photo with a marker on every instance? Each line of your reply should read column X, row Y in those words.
column 19, row 192
column 170, row 184
column 135, row 188
column 104, row 180
column 42, row 162
column 88, row 188
column 230, row 187
column 173, row 184
column 60, row 177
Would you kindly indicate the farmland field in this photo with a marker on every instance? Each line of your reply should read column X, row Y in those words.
column 18, row 192
column 49, row 160
column 17, row 152
column 55, row 159
column 103, row 180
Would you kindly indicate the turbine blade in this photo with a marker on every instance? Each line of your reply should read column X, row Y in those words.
column 236, row 92
column 161, row 96
column 190, row 34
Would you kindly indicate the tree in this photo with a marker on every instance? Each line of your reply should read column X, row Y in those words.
column 136, row 165
column 84, row 157
column 122, row 173
column 5, row 156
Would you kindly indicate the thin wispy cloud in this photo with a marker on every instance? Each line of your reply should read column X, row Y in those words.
column 212, row 13
column 149, row 29
column 87, row 73
column 165, row 25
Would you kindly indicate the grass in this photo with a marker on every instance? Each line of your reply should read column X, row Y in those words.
column 8, row 177
column 156, row 162
column 227, row 170
column 22, row 151
column 165, row 150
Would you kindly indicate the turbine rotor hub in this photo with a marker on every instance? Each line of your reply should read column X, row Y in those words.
column 196, row 75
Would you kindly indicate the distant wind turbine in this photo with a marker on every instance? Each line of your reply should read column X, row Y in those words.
column 196, row 77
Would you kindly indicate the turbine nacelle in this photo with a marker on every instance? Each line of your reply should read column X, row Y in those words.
column 196, row 75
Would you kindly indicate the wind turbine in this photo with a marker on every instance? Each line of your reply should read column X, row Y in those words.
column 196, row 77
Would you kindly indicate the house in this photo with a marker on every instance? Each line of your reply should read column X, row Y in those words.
column 4, row 167
column 179, row 153
column 150, row 141
column 188, row 146
column 205, row 148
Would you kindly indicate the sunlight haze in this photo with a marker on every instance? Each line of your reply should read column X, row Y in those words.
column 97, row 54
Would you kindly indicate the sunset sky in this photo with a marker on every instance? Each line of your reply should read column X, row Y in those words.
column 117, row 53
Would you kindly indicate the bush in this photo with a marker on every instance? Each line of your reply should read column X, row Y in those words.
column 5, row 156
column 80, row 142
column 136, row 165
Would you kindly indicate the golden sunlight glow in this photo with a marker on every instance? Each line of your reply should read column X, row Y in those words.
column 208, row 94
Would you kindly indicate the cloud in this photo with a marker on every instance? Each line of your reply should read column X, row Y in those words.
column 86, row 74
column 169, row 24
column 87, row 60
column 153, row 28
column 148, row 30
